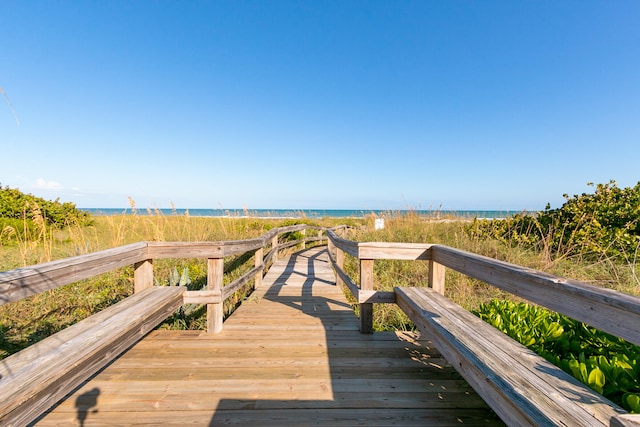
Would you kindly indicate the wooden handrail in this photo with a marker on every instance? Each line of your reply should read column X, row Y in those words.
column 604, row 309
column 23, row 282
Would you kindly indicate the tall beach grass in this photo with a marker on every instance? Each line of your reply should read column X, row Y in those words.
column 27, row 321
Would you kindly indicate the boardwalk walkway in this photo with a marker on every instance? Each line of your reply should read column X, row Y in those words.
column 290, row 355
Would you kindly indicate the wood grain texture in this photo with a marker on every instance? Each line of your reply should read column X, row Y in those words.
column 291, row 355
column 142, row 275
column 522, row 387
column 390, row 250
column 36, row 378
column 436, row 277
column 605, row 309
column 215, row 312
column 627, row 420
column 345, row 245
column 202, row 297
column 366, row 284
column 23, row 282
column 258, row 262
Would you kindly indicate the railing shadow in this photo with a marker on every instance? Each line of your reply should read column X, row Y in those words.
column 350, row 366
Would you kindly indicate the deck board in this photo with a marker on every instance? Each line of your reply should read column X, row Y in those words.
column 290, row 355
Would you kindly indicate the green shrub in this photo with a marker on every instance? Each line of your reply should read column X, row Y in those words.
column 607, row 364
column 16, row 205
column 605, row 223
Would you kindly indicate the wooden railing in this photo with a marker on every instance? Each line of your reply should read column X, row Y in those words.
column 520, row 386
column 23, row 282
column 604, row 309
column 24, row 397
column 34, row 379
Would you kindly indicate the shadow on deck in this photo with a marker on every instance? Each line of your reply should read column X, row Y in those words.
column 290, row 355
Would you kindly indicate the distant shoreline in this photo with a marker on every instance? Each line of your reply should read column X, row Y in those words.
column 305, row 213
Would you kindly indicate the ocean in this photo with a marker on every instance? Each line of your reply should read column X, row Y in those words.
column 303, row 213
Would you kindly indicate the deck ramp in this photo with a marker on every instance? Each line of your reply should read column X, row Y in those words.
column 290, row 355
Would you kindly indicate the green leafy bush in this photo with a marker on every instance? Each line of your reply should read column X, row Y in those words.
column 606, row 222
column 17, row 205
column 607, row 364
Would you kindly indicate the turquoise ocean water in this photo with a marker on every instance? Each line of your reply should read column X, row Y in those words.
column 303, row 213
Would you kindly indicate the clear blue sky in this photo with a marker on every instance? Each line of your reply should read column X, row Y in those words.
column 319, row 104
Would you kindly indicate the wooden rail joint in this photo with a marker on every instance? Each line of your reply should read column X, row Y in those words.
column 202, row 297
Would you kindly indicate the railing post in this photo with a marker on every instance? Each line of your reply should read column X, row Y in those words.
column 258, row 259
column 304, row 235
column 320, row 237
column 215, row 314
column 142, row 275
column 436, row 276
column 366, row 284
column 274, row 248
column 340, row 264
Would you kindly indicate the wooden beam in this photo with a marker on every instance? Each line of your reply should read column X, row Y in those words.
column 143, row 275
column 626, row 420
column 522, row 387
column 215, row 314
column 258, row 262
column 436, row 276
column 202, row 297
column 274, row 248
column 348, row 246
column 339, row 265
column 24, row 282
column 158, row 250
column 366, row 284
column 371, row 297
column 240, row 282
column 35, row 379
column 390, row 250
column 605, row 309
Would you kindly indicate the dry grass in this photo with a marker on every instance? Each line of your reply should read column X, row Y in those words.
column 27, row 321
column 465, row 291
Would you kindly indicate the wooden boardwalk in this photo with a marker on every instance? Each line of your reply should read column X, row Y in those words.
column 290, row 355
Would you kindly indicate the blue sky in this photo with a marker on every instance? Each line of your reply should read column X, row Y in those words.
column 501, row 105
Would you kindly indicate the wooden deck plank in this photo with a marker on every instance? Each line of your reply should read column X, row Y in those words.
column 290, row 355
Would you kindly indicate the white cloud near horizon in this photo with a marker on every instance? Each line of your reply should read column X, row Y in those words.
column 43, row 184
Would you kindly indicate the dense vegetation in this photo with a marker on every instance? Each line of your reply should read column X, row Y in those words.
column 603, row 226
column 592, row 237
column 591, row 226
column 607, row 364
column 23, row 215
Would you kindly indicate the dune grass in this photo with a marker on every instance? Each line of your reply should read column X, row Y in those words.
column 28, row 321
column 465, row 291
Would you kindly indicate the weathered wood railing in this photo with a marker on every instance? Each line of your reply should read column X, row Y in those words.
column 540, row 394
column 23, row 282
column 520, row 386
column 35, row 378
column 604, row 309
